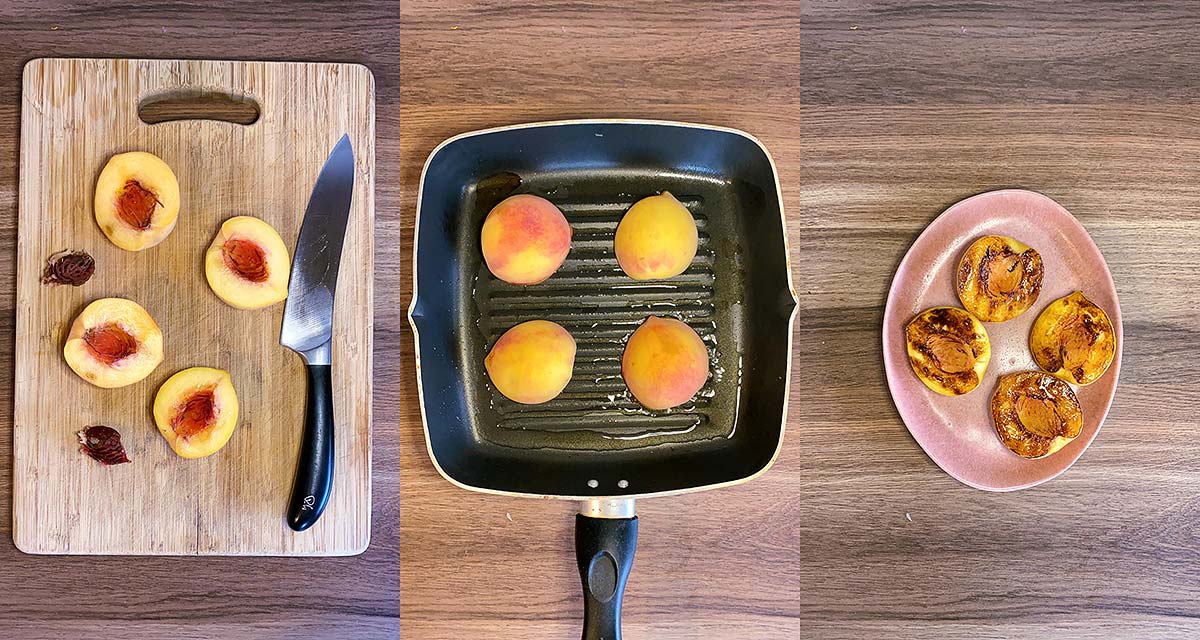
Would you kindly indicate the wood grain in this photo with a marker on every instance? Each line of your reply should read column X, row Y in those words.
column 709, row 565
column 906, row 110
column 879, row 115
column 52, row 597
column 77, row 113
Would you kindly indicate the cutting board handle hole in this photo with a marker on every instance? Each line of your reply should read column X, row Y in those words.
column 199, row 105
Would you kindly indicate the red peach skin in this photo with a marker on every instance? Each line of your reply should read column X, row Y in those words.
column 525, row 239
column 665, row 363
column 532, row 362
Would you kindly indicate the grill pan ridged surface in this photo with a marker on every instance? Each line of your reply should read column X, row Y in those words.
column 600, row 306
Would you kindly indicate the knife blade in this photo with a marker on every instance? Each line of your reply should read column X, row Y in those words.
column 308, row 314
column 308, row 328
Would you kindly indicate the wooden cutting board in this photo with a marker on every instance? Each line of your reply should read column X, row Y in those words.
column 75, row 114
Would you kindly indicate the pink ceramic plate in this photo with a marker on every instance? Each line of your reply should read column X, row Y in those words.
column 957, row 432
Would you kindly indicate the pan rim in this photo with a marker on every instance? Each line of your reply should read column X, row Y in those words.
column 594, row 121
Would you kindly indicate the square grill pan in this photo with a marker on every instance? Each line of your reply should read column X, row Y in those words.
column 594, row 439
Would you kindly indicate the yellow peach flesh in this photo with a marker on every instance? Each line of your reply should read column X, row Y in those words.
column 998, row 278
column 532, row 362
column 665, row 363
column 247, row 264
column 113, row 343
column 656, row 238
column 137, row 200
column 525, row 239
column 948, row 349
column 1073, row 339
column 196, row 411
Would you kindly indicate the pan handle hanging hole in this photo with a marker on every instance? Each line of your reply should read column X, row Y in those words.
column 593, row 483
column 623, row 484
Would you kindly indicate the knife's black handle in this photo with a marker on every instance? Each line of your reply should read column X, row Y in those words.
column 314, row 469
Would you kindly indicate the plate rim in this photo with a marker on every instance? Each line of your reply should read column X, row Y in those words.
column 1115, row 315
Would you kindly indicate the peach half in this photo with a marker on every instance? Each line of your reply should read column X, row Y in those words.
column 999, row 278
column 525, row 239
column 113, row 343
column 1073, row 339
column 137, row 200
column 247, row 264
column 196, row 410
column 665, row 363
column 948, row 349
column 1035, row 413
column 532, row 362
column 656, row 238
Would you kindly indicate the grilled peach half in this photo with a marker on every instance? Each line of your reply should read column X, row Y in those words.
column 656, row 238
column 948, row 349
column 1073, row 339
column 665, row 363
column 1035, row 413
column 137, row 200
column 247, row 264
column 532, row 362
column 113, row 343
column 998, row 278
column 525, row 239
column 196, row 410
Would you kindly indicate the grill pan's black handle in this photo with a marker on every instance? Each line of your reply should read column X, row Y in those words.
column 314, row 469
column 604, row 549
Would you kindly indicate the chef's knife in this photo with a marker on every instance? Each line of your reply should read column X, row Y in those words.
column 308, row 328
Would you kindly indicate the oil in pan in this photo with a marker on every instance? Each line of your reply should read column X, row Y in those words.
column 600, row 306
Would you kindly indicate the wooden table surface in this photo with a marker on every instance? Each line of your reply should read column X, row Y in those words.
column 130, row 598
column 718, row 564
column 906, row 111
column 879, row 115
